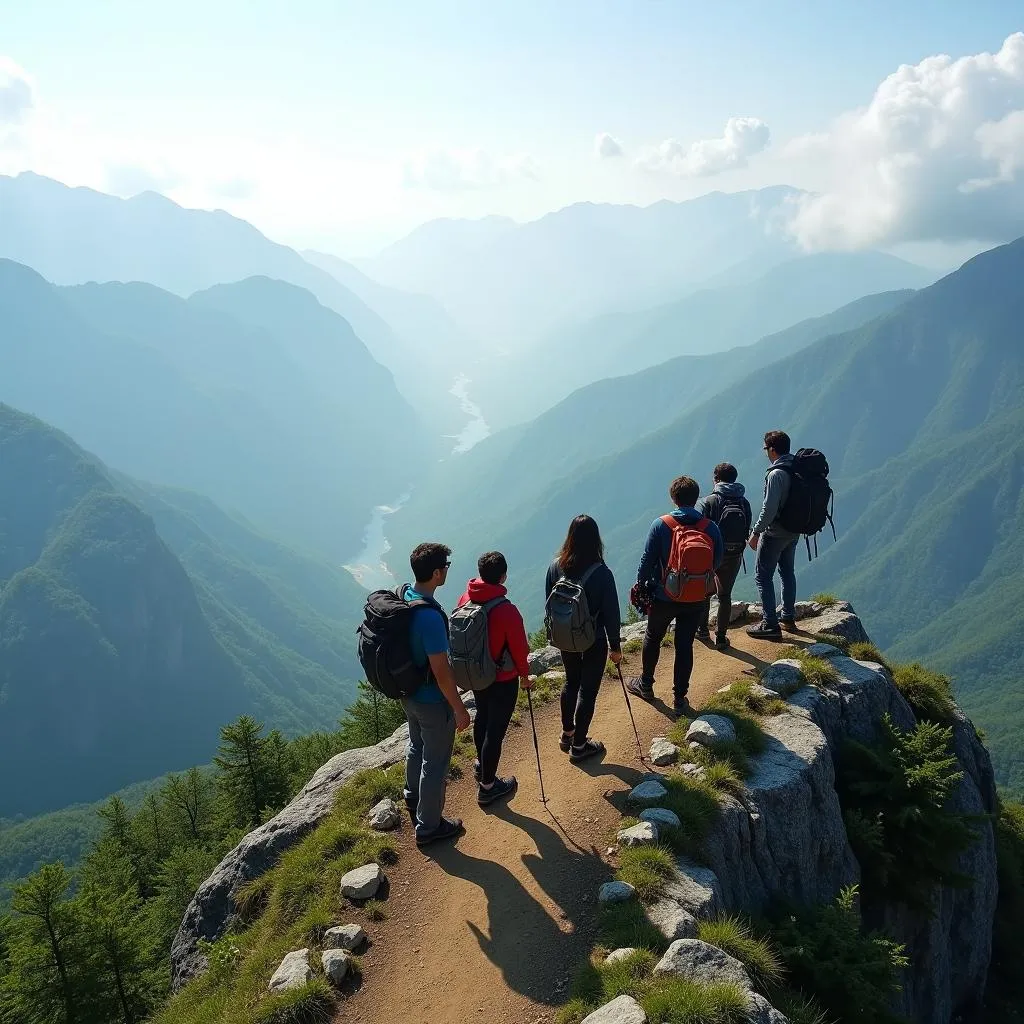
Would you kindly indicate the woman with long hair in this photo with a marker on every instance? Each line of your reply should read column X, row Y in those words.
column 580, row 564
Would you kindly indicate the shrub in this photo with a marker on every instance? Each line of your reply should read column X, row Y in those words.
column 758, row 956
column 826, row 600
column 374, row 910
column 633, row 645
column 313, row 1003
column 646, row 868
column 538, row 639
column 1005, row 995
column 928, row 693
column 798, row 1008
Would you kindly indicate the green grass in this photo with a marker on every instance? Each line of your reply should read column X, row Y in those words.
column 928, row 693
column 864, row 650
column 758, row 956
column 819, row 672
column 826, row 600
column 622, row 925
column 311, row 1004
column 646, row 868
column 633, row 646
column 373, row 910
column 798, row 1008
column 831, row 638
column 695, row 802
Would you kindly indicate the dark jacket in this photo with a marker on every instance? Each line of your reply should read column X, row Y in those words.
column 602, row 599
column 651, row 573
column 711, row 505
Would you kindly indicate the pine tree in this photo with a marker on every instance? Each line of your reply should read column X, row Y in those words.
column 370, row 719
column 189, row 798
column 253, row 770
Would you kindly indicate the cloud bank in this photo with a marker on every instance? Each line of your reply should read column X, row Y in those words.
column 17, row 95
column 447, row 170
column 742, row 138
column 607, row 147
column 938, row 154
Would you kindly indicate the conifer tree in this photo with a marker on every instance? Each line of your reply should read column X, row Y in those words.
column 370, row 719
column 189, row 798
column 253, row 770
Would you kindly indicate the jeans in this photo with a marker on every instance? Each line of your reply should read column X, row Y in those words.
column 583, row 675
column 427, row 760
column 494, row 707
column 776, row 553
column 725, row 577
column 688, row 617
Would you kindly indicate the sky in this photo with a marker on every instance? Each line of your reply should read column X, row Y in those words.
column 342, row 126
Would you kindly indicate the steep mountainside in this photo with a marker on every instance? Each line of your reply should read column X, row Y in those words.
column 252, row 393
column 138, row 621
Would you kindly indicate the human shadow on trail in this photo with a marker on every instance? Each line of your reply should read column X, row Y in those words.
column 534, row 950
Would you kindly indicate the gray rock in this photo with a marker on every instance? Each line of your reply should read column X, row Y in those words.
column 544, row 660
column 691, row 768
column 663, row 752
column 672, row 920
column 783, row 677
column 762, row 1012
column 384, row 816
column 615, row 892
column 619, row 954
column 694, row 888
column 362, row 883
column 336, row 964
column 294, row 972
column 634, row 631
column 737, row 613
column 708, row 730
column 643, row 834
column 697, row 961
column 820, row 650
column 839, row 621
column 346, row 936
column 647, row 791
column 661, row 816
column 212, row 909
column 555, row 677
column 621, row 1010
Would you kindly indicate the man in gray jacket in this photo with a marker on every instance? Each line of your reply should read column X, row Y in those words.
column 775, row 546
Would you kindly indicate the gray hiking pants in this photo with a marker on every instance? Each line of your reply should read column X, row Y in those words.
column 427, row 760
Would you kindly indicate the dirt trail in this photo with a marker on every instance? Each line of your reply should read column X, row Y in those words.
column 492, row 927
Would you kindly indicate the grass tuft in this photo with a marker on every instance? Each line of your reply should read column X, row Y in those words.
column 311, row 1004
column 863, row 650
column 829, row 638
column 733, row 936
column 679, row 1001
column 819, row 672
column 633, row 646
column 826, row 600
column 374, row 910
column 928, row 693
column 646, row 868
column 623, row 925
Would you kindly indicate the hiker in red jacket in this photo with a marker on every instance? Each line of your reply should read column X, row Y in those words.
column 510, row 650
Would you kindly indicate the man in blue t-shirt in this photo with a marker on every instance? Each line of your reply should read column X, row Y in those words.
column 435, row 712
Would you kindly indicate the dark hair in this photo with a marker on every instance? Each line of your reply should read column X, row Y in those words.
column 492, row 566
column 684, row 491
column 777, row 439
column 726, row 473
column 582, row 548
column 426, row 559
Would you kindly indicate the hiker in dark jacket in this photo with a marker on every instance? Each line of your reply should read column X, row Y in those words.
column 687, row 615
column 775, row 546
column 583, row 553
column 730, row 511
column 510, row 649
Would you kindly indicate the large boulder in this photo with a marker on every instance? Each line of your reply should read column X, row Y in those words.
column 212, row 909
column 698, row 961
column 293, row 972
column 544, row 660
column 839, row 620
column 709, row 730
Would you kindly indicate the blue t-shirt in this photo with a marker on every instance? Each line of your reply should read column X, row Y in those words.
column 428, row 636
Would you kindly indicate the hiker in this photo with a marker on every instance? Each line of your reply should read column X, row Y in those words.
column 583, row 619
column 435, row 710
column 774, row 544
column 490, row 654
column 678, row 565
column 730, row 511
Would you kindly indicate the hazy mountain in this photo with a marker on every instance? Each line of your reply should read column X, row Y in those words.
column 137, row 620
column 252, row 393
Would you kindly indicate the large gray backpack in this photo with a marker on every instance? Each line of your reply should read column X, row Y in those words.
column 570, row 624
column 469, row 646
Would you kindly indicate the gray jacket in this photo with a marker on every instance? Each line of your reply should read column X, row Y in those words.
column 776, row 491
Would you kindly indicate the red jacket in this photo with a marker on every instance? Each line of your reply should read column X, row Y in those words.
column 505, row 629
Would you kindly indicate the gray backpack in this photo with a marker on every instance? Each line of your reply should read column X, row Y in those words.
column 570, row 625
column 469, row 648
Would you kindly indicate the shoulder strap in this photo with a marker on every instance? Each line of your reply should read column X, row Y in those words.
column 590, row 572
column 493, row 603
column 702, row 524
column 671, row 522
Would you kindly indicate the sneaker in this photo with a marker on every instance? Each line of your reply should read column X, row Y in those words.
column 703, row 633
column 722, row 643
column 565, row 742
column 683, row 709
column 448, row 829
column 501, row 788
column 591, row 748
column 762, row 631
column 789, row 624
column 640, row 689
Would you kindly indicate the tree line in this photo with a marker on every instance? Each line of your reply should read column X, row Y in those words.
column 90, row 944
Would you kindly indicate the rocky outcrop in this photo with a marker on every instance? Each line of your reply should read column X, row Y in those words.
column 212, row 909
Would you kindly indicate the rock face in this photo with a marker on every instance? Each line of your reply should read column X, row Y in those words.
column 621, row 1010
column 544, row 660
column 212, row 908
column 785, row 676
column 294, row 972
column 362, row 883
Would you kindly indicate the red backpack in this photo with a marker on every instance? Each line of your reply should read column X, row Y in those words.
column 690, row 572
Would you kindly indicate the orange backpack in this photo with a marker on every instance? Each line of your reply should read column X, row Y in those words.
column 690, row 573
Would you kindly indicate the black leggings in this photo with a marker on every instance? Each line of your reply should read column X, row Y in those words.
column 494, row 708
column 583, row 675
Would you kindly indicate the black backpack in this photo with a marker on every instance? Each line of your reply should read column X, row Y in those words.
column 729, row 513
column 808, row 507
column 384, row 649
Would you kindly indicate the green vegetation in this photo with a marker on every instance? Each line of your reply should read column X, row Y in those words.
column 815, row 671
column 758, row 956
column 646, row 868
column 825, row 599
column 930, row 694
column 863, row 650
column 1005, row 996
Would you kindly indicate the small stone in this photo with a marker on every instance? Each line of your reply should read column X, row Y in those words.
column 784, row 676
column 822, row 650
column 362, row 883
column 619, row 954
column 615, row 892
column 336, row 963
column 711, row 729
column 663, row 751
column 621, row 1010
column 694, row 770
column 672, row 920
column 661, row 816
column 643, row 834
column 293, row 972
column 346, row 936
column 647, row 791
column 384, row 816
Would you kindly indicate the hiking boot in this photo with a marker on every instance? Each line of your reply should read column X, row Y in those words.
column 789, row 624
column 501, row 788
column 448, row 829
column 640, row 689
column 762, row 631
column 703, row 633
column 565, row 742
column 683, row 709
column 722, row 643
column 591, row 748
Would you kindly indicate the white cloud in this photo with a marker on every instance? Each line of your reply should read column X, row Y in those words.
column 607, row 147
column 17, row 94
column 938, row 154
column 450, row 170
column 742, row 138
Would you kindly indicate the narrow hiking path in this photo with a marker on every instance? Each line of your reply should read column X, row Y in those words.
column 494, row 926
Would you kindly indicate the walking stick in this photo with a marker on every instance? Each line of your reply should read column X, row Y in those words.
column 629, row 708
column 536, row 748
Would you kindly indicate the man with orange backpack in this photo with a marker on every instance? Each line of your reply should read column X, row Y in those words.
column 682, row 552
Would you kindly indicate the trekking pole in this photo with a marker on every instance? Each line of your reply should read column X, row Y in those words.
column 629, row 708
column 536, row 747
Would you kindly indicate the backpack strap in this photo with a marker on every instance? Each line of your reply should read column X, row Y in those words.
column 590, row 572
